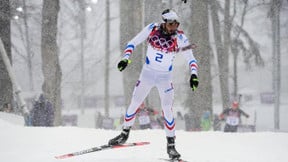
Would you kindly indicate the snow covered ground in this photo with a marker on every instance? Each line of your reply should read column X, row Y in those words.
column 39, row 144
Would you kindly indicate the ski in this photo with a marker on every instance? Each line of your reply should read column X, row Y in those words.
column 173, row 160
column 100, row 148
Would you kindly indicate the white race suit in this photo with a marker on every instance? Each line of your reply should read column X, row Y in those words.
column 157, row 71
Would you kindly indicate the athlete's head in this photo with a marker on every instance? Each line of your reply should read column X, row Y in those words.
column 171, row 21
column 235, row 105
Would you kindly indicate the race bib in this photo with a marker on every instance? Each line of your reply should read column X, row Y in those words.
column 232, row 120
column 144, row 119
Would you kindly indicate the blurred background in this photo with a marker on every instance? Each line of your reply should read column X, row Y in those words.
column 67, row 51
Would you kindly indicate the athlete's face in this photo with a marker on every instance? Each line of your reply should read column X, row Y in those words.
column 234, row 107
column 171, row 27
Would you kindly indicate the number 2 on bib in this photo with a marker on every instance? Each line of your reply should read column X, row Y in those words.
column 159, row 57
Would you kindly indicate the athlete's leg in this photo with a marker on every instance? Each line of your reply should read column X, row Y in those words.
column 227, row 128
column 166, row 92
column 234, row 128
column 141, row 90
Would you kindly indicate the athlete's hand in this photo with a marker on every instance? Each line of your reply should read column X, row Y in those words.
column 221, row 116
column 194, row 82
column 123, row 64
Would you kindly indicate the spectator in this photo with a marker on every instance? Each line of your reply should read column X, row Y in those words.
column 42, row 113
column 7, row 108
column 99, row 120
column 232, row 116
column 144, row 117
column 206, row 121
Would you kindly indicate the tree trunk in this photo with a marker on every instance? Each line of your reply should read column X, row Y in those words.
column 221, row 56
column 28, row 47
column 227, row 42
column 235, row 53
column 201, row 99
column 131, row 24
column 152, row 14
column 50, row 60
column 6, row 88
column 107, row 60
column 275, row 20
column 82, row 24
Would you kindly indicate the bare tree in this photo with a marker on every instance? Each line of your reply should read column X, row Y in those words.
column 24, row 28
column 50, row 60
column 82, row 23
column 222, row 57
column 131, row 18
column 226, row 41
column 275, row 21
column 232, row 40
column 107, row 60
column 152, row 13
column 28, row 47
column 6, row 89
column 201, row 99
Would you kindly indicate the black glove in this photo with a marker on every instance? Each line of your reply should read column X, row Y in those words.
column 123, row 64
column 194, row 82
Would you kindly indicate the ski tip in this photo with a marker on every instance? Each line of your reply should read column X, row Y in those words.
column 181, row 160
column 142, row 143
column 64, row 156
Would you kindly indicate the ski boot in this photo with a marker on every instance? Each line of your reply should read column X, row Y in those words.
column 172, row 152
column 120, row 139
